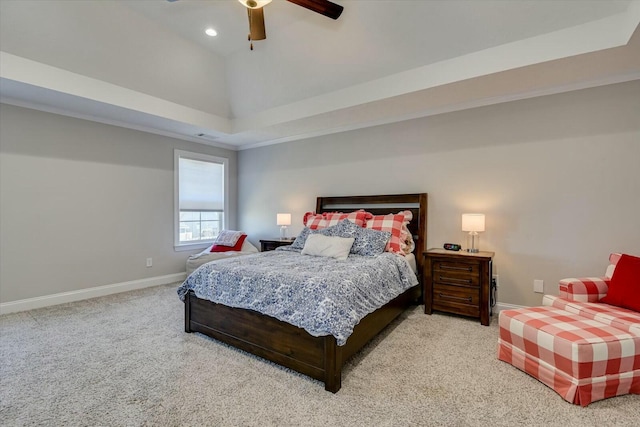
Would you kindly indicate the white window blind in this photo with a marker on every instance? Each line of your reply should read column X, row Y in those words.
column 201, row 186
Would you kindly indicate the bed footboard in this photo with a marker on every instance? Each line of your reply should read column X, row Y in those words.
column 267, row 337
column 287, row 345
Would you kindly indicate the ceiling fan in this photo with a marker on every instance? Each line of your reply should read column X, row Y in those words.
column 256, row 14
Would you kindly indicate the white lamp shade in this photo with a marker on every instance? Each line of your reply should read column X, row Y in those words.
column 284, row 219
column 472, row 222
column 255, row 4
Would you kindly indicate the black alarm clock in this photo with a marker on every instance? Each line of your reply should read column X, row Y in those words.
column 452, row 246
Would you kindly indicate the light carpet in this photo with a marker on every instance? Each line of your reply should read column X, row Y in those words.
column 125, row 360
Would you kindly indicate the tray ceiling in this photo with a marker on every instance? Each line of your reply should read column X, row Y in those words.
column 148, row 64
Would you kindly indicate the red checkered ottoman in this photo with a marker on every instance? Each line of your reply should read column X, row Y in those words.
column 582, row 359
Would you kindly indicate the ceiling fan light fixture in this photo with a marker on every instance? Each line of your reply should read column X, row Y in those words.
column 254, row 4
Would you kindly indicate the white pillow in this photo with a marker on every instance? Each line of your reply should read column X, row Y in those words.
column 328, row 246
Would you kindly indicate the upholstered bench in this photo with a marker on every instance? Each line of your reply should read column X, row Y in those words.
column 583, row 360
column 585, row 342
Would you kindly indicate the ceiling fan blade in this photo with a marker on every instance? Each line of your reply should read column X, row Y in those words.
column 323, row 7
column 256, row 24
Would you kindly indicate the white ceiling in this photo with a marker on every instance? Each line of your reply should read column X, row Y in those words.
column 148, row 65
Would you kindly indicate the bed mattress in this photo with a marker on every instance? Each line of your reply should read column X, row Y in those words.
column 322, row 295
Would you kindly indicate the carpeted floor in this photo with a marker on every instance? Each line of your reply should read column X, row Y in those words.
column 98, row 363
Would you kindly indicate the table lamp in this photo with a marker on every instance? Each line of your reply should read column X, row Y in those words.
column 473, row 223
column 283, row 220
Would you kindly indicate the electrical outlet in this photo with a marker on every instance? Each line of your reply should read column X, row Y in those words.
column 149, row 262
column 495, row 279
column 538, row 286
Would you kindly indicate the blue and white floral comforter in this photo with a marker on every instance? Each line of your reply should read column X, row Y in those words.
column 322, row 295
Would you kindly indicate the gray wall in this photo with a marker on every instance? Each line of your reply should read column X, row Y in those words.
column 556, row 176
column 84, row 204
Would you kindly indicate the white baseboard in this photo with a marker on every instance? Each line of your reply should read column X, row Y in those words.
column 504, row 306
column 99, row 291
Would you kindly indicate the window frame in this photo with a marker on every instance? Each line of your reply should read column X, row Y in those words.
column 177, row 155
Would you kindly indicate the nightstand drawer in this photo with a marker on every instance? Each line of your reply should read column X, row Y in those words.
column 456, row 279
column 456, row 268
column 456, row 299
column 445, row 293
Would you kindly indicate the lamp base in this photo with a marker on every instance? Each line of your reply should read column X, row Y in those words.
column 283, row 232
column 472, row 242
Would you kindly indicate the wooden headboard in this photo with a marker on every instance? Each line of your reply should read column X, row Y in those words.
column 385, row 204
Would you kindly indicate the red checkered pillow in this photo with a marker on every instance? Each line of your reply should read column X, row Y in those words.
column 313, row 220
column 318, row 221
column 613, row 261
column 614, row 258
column 393, row 224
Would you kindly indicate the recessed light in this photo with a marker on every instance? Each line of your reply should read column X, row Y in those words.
column 211, row 32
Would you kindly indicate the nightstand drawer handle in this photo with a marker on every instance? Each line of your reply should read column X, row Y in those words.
column 453, row 279
column 446, row 267
column 467, row 299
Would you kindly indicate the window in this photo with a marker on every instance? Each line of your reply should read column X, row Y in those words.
column 200, row 197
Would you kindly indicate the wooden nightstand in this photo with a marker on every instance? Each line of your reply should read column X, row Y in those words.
column 271, row 244
column 458, row 282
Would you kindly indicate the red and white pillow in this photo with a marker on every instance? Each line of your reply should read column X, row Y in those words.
column 613, row 261
column 229, row 240
column 319, row 221
column 401, row 241
column 393, row 223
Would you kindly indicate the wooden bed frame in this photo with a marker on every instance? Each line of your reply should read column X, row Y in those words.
column 287, row 345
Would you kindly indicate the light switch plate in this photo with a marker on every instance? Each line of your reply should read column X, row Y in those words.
column 538, row 286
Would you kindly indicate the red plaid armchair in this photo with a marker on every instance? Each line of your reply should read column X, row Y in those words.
column 584, row 350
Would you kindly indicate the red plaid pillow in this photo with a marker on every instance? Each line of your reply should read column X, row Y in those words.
column 614, row 258
column 318, row 221
column 393, row 224
column 313, row 220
